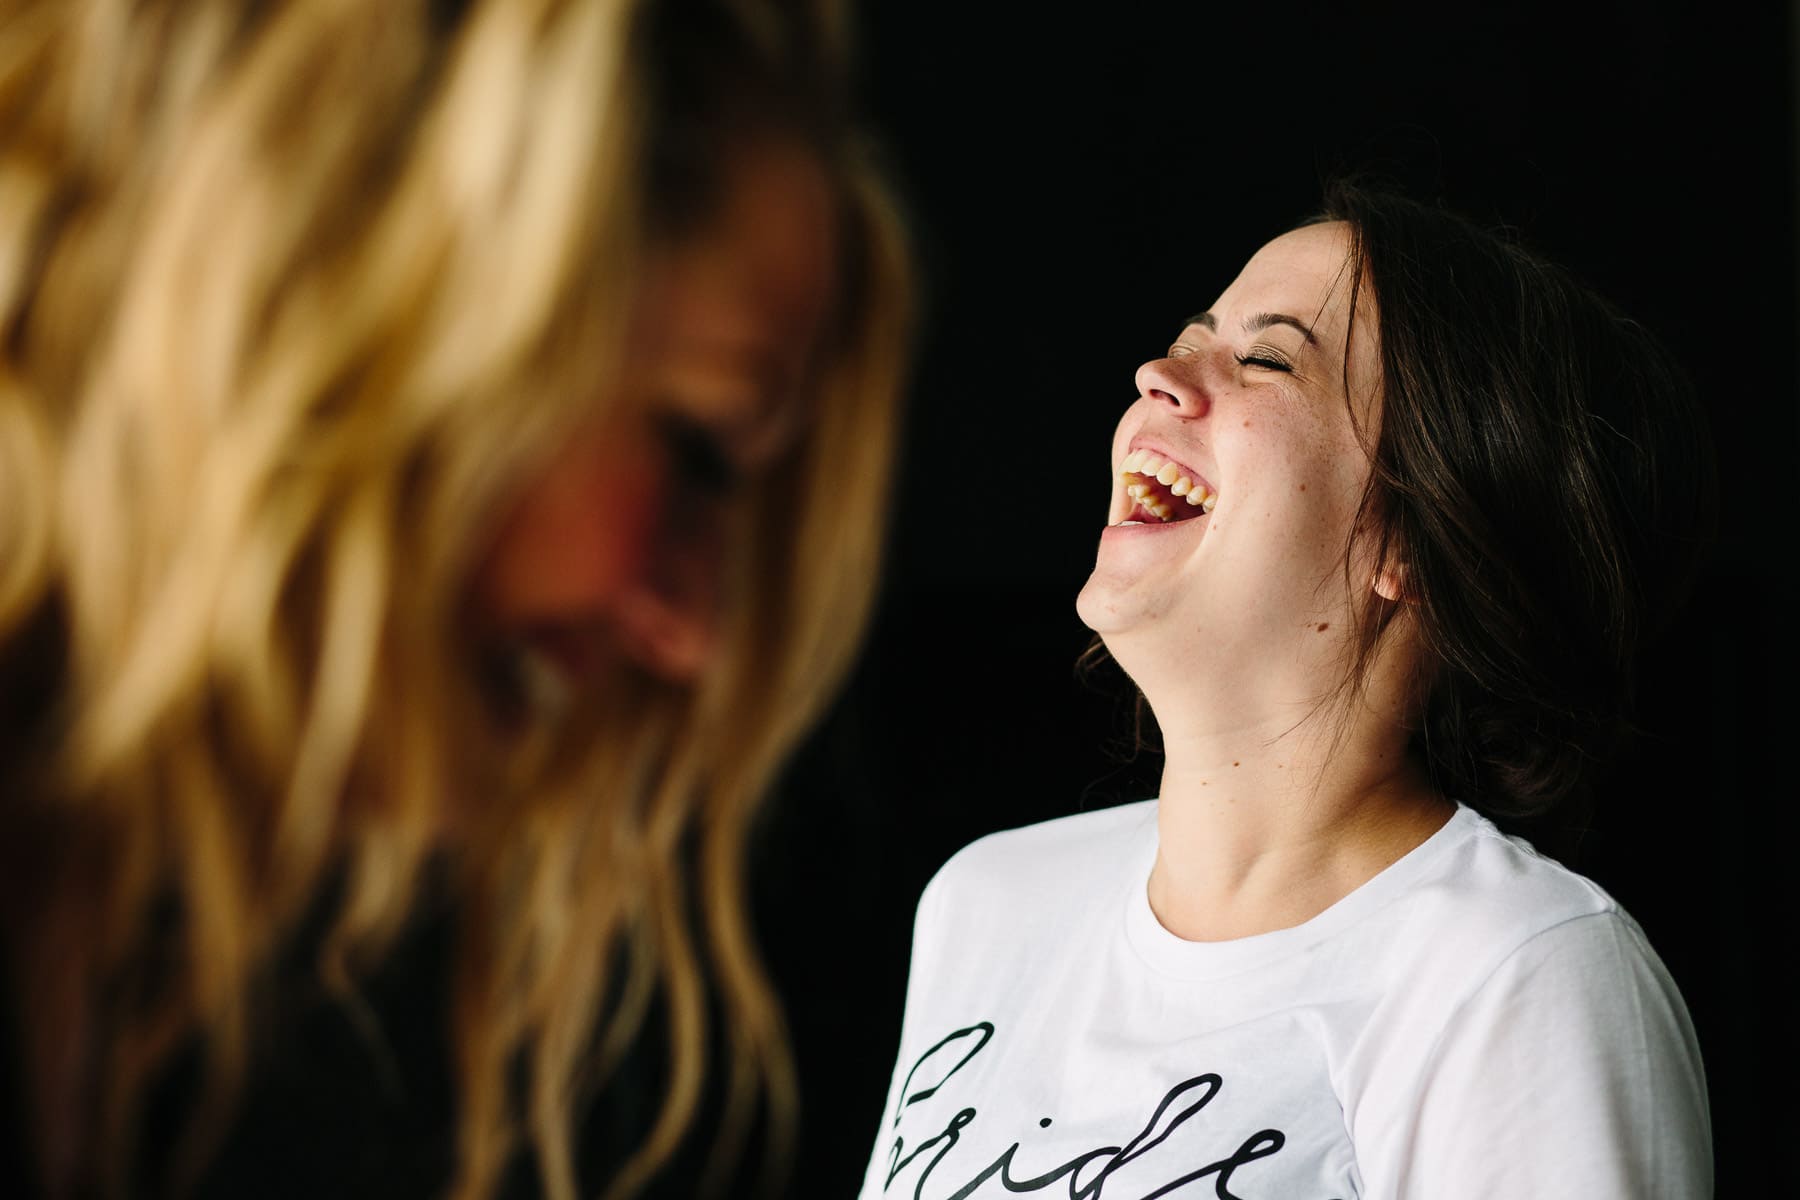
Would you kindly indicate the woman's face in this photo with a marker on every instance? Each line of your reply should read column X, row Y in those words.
column 1246, row 418
column 615, row 551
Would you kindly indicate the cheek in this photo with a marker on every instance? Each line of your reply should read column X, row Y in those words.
column 578, row 536
column 1298, row 477
column 1315, row 435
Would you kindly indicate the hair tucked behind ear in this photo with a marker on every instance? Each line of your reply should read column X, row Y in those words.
column 1543, row 481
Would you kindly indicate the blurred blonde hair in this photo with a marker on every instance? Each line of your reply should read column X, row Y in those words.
column 292, row 297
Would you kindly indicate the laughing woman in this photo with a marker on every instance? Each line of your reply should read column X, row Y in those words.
column 1388, row 523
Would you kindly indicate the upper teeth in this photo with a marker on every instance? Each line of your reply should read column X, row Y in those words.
column 1141, row 466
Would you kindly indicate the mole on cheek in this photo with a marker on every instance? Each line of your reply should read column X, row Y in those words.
column 1324, row 625
column 1303, row 487
column 1246, row 424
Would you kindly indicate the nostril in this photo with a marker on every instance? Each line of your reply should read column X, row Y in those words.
column 1186, row 401
column 668, row 618
column 672, row 639
column 1175, row 383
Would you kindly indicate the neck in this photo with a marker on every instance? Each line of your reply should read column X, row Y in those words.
column 1264, row 823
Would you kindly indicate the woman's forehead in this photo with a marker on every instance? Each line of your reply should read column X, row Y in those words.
column 1305, row 272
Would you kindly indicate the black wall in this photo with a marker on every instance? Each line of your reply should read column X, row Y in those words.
column 1080, row 183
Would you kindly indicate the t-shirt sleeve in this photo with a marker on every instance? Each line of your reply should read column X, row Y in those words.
column 1571, row 1072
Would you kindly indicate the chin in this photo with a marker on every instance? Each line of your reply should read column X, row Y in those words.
column 1113, row 601
column 1096, row 607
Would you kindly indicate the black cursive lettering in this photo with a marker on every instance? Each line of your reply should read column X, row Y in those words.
column 951, row 1132
column 1257, row 1145
column 984, row 1028
column 1180, row 1104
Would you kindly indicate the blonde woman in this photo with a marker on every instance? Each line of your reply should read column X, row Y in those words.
column 438, row 442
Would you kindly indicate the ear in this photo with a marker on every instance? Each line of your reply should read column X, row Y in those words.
column 1390, row 582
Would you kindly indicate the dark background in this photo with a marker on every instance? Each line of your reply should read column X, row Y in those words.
column 1078, row 184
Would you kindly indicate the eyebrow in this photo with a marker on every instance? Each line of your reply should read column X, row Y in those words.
column 1255, row 323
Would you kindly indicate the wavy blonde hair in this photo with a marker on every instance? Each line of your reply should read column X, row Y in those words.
column 292, row 297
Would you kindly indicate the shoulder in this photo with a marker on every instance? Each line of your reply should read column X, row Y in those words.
column 1484, row 914
column 1487, row 896
column 1046, row 862
column 1572, row 1069
column 1532, row 925
column 1526, row 1033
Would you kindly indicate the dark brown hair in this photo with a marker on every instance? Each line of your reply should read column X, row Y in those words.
column 1541, row 475
column 1542, row 482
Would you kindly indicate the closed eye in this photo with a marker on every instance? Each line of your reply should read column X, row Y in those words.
column 699, row 460
column 1264, row 359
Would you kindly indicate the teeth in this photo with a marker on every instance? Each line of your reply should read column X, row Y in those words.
column 1142, row 466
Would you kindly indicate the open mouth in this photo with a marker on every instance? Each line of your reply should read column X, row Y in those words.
column 1162, row 491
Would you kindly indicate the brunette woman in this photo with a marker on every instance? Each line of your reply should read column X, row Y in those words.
column 1389, row 521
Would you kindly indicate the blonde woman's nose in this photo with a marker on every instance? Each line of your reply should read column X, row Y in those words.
column 666, row 618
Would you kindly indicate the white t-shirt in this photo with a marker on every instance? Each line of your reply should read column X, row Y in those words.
column 1475, row 1021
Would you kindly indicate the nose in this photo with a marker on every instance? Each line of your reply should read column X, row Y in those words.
column 603, row 558
column 1175, row 383
column 667, row 615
